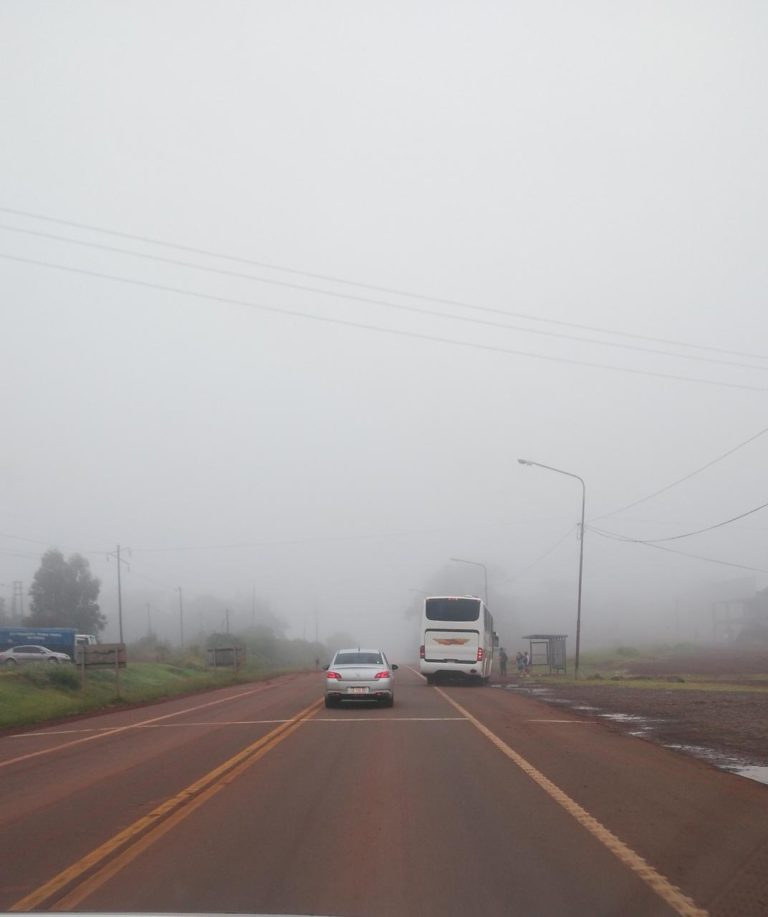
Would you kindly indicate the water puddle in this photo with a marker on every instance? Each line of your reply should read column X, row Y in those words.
column 642, row 727
column 537, row 692
column 753, row 772
column 623, row 717
column 724, row 763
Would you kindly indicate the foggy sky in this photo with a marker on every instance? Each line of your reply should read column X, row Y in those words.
column 597, row 164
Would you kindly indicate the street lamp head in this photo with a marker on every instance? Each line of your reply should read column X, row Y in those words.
column 524, row 462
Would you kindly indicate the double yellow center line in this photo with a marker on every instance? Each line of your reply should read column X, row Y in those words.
column 65, row 891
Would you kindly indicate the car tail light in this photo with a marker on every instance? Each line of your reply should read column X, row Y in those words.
column 422, row 654
column 383, row 675
column 333, row 675
column 480, row 654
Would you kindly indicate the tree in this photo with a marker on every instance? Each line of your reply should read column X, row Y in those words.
column 64, row 594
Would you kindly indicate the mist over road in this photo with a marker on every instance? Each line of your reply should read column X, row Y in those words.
column 256, row 799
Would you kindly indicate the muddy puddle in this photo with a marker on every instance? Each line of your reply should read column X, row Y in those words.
column 656, row 729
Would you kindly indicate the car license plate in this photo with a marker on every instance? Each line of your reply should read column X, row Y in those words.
column 357, row 690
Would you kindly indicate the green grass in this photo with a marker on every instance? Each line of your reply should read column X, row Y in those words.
column 37, row 693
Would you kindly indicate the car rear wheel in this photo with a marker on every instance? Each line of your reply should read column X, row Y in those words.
column 431, row 679
column 330, row 702
column 10, row 662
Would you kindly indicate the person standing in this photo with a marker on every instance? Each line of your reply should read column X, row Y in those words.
column 503, row 661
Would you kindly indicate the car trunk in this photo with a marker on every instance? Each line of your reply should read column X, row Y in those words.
column 352, row 673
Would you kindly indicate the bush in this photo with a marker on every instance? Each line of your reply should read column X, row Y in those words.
column 46, row 675
column 627, row 651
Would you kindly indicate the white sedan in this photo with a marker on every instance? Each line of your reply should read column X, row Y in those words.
column 357, row 675
column 18, row 654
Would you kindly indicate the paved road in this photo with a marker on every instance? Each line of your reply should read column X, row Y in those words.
column 457, row 800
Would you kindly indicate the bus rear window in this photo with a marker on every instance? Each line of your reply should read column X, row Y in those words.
column 453, row 609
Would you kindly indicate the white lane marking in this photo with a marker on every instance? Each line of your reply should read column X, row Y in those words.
column 62, row 732
column 47, row 735
column 389, row 719
column 660, row 884
column 213, row 723
column 109, row 732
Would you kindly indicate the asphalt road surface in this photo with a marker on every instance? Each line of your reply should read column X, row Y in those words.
column 457, row 800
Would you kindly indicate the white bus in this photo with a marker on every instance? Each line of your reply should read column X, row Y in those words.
column 457, row 638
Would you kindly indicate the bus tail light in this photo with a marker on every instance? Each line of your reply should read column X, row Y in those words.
column 422, row 654
column 480, row 654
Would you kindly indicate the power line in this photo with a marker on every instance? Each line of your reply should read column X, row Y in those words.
column 414, row 335
column 544, row 555
column 113, row 249
column 686, row 477
column 659, row 547
column 709, row 528
column 51, row 544
column 373, row 287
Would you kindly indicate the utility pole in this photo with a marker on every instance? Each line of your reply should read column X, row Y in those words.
column 181, row 618
column 570, row 474
column 226, row 616
column 119, row 597
column 149, row 619
column 17, row 601
column 476, row 563
column 116, row 554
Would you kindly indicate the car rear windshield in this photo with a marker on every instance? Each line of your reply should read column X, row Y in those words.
column 358, row 659
column 453, row 609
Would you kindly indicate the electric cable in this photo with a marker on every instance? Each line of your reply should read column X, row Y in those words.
column 368, row 286
column 659, row 547
column 686, row 477
column 416, row 310
column 709, row 528
column 544, row 555
column 414, row 335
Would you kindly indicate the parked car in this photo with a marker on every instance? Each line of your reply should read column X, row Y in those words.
column 358, row 674
column 18, row 654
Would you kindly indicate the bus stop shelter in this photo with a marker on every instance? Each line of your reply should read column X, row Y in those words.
column 548, row 651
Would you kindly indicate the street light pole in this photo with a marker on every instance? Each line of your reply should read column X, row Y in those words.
column 181, row 618
column 475, row 563
column 581, row 547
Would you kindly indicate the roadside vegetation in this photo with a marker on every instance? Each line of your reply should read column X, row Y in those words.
column 38, row 693
column 41, row 692
column 680, row 666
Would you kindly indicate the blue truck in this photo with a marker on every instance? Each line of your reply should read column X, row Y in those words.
column 59, row 639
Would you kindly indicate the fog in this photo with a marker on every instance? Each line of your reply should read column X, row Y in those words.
column 409, row 244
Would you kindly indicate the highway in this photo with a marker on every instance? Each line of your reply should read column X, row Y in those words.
column 458, row 800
